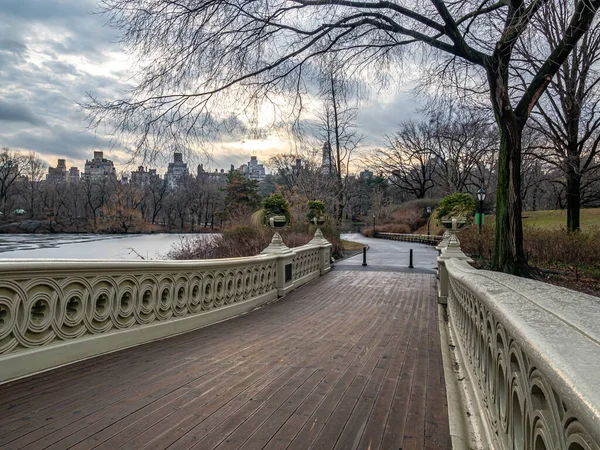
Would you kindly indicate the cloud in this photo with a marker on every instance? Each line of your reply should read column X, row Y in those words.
column 382, row 116
column 10, row 112
column 54, row 51
column 12, row 46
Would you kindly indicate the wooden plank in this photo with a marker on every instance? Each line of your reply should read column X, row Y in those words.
column 364, row 411
column 437, row 434
column 375, row 427
column 318, row 419
column 199, row 432
column 394, row 427
column 261, row 432
column 168, row 436
column 351, row 360
column 414, row 427
column 125, row 417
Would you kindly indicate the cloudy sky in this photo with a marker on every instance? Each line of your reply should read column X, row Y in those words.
column 54, row 51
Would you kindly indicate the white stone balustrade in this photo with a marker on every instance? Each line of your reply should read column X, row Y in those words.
column 54, row 312
column 406, row 237
column 531, row 355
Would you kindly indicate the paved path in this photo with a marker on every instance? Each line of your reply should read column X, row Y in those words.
column 349, row 361
column 388, row 255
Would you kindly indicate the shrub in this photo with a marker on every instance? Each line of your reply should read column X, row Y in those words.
column 247, row 239
column 457, row 204
column 408, row 217
column 422, row 204
column 316, row 208
column 543, row 248
column 276, row 205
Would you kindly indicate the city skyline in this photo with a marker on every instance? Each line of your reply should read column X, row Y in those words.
column 99, row 166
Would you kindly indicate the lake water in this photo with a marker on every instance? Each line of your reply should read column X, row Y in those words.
column 90, row 246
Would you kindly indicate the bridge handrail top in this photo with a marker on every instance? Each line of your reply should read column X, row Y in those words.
column 50, row 264
column 33, row 265
column 564, row 339
column 423, row 236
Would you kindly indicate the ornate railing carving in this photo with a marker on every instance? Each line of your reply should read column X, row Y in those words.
column 305, row 261
column 58, row 311
column 42, row 306
column 533, row 351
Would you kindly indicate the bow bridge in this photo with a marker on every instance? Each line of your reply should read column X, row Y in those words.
column 282, row 350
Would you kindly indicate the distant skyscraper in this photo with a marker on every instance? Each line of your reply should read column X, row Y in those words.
column 218, row 176
column 143, row 177
column 328, row 163
column 99, row 168
column 73, row 176
column 298, row 167
column 253, row 170
column 366, row 174
column 177, row 170
column 57, row 174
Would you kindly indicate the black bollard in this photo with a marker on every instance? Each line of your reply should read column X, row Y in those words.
column 364, row 256
column 410, row 264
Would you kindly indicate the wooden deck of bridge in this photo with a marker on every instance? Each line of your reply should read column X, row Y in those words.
column 351, row 360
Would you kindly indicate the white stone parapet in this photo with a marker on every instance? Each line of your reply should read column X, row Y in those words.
column 407, row 237
column 530, row 355
column 54, row 312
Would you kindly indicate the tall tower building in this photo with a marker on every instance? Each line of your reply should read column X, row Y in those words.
column 57, row 174
column 328, row 163
column 99, row 168
column 177, row 171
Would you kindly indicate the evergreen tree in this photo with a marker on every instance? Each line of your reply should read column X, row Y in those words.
column 241, row 195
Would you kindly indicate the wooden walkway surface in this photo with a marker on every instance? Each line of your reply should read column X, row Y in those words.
column 351, row 360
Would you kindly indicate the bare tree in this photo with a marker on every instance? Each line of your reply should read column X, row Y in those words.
column 97, row 194
column 11, row 170
column 447, row 153
column 302, row 173
column 464, row 150
column 568, row 114
column 408, row 159
column 34, row 169
column 157, row 191
column 203, row 56
column 336, row 125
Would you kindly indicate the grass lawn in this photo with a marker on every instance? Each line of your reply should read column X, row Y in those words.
column 557, row 219
column 548, row 220
column 352, row 246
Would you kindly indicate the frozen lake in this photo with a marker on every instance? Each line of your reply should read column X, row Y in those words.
column 89, row 246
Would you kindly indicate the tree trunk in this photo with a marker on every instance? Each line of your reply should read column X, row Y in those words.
column 573, row 197
column 338, row 159
column 509, row 255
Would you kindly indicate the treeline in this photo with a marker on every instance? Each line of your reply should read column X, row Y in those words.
column 103, row 205
column 443, row 154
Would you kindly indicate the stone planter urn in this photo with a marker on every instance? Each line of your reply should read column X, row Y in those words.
column 277, row 222
column 455, row 223
column 318, row 221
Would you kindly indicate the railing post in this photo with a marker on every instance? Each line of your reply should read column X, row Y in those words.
column 450, row 250
column 324, row 251
column 443, row 243
column 284, row 276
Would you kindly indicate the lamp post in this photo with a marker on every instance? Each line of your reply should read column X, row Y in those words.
column 373, row 225
column 428, row 220
column 481, row 198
